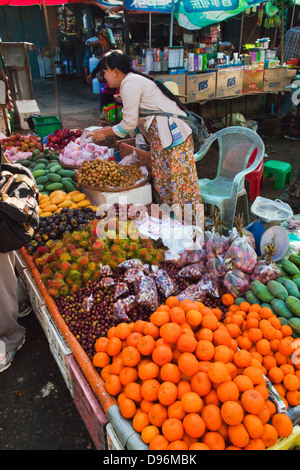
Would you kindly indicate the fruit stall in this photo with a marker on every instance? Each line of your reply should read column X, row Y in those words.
column 193, row 352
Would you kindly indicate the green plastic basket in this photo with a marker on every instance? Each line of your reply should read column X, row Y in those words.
column 45, row 125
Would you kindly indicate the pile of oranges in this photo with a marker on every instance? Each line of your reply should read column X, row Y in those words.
column 192, row 378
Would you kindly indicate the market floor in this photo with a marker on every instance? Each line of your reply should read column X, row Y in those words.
column 37, row 411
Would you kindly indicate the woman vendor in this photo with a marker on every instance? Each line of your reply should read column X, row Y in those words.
column 171, row 143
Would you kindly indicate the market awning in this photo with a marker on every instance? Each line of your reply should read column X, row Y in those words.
column 193, row 14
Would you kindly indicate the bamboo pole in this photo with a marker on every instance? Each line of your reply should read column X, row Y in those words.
column 282, row 33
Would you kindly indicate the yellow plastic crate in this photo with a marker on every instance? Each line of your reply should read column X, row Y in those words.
column 288, row 443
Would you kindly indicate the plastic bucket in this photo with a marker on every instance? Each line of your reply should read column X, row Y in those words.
column 279, row 237
column 257, row 229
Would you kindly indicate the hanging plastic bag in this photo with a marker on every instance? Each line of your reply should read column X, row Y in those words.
column 106, row 283
column 105, row 271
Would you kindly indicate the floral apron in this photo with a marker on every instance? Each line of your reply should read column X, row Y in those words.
column 175, row 177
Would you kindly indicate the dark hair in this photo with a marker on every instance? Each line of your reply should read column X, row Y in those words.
column 117, row 60
column 104, row 32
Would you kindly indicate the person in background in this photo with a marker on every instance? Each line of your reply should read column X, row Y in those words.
column 171, row 143
column 107, row 43
column 290, row 102
column 291, row 43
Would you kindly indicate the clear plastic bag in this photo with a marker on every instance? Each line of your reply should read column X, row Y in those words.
column 133, row 274
column 236, row 282
column 164, row 283
column 193, row 272
column 105, row 271
column 106, row 283
column 193, row 293
column 146, row 294
column 216, row 244
column 245, row 233
column 121, row 289
column 216, row 266
column 123, row 307
column 271, row 210
column 130, row 263
column 242, row 255
column 209, row 285
column 191, row 256
column 265, row 272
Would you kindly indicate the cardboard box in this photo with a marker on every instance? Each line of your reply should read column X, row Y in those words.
column 25, row 108
column 253, row 80
column 176, row 78
column 229, row 82
column 136, row 196
column 274, row 79
column 201, row 86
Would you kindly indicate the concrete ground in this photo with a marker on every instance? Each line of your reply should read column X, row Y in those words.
column 37, row 411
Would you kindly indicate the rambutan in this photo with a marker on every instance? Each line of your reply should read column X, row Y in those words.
column 53, row 292
column 77, row 253
column 65, row 266
column 86, row 276
column 64, row 289
column 75, row 266
column 65, row 257
column 92, row 266
column 58, row 252
column 75, row 287
column 76, row 236
column 42, row 250
column 75, row 275
column 83, row 261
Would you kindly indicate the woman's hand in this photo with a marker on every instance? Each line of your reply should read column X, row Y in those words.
column 100, row 134
column 89, row 78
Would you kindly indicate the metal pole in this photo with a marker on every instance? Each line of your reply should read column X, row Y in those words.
column 282, row 32
column 241, row 33
column 52, row 61
column 293, row 15
column 126, row 32
column 171, row 24
column 150, row 29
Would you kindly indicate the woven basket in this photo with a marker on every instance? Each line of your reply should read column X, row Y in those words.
column 117, row 189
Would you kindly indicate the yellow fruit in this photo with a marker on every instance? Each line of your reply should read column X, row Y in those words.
column 84, row 203
column 79, row 197
column 51, row 208
column 46, row 214
column 65, row 203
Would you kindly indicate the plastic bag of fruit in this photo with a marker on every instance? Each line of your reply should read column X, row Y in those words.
column 105, row 271
column 191, row 255
column 209, row 285
column 133, row 274
column 130, row 263
column 106, row 283
column 193, row 293
column 122, row 307
column 236, row 282
column 193, row 272
column 265, row 272
column 146, row 294
column 216, row 243
column 164, row 283
column 242, row 254
column 121, row 290
column 216, row 266
column 244, row 233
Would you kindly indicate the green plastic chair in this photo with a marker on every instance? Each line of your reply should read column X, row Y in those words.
column 236, row 145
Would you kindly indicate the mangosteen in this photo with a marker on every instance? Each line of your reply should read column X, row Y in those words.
column 61, row 227
column 74, row 222
column 69, row 228
column 53, row 235
column 65, row 210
